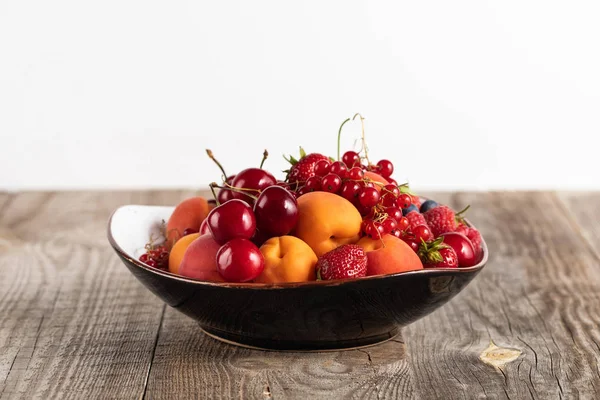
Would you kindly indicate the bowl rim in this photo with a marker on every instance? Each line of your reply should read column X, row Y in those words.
column 288, row 285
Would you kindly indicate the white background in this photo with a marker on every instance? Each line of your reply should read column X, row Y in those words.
column 459, row 94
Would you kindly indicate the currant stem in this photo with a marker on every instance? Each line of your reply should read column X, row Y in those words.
column 339, row 137
column 212, row 189
column 212, row 157
column 265, row 155
column 364, row 142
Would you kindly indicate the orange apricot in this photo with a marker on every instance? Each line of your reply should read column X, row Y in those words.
column 188, row 214
column 389, row 255
column 178, row 250
column 287, row 259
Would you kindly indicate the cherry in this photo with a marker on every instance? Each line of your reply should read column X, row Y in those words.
column 356, row 173
column 322, row 167
column 189, row 231
column 368, row 197
column 276, row 211
column 389, row 224
column 314, row 183
column 422, row 232
column 463, row 248
column 394, row 212
column 331, row 183
column 224, row 194
column 204, row 229
column 351, row 158
column 350, row 191
column 339, row 168
column 385, row 168
column 252, row 178
column 231, row 220
column 404, row 201
column 239, row 260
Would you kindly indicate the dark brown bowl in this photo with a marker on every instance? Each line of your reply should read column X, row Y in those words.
column 300, row 316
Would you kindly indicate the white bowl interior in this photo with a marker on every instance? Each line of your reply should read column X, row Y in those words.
column 134, row 226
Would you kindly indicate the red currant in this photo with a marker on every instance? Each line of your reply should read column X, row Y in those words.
column 368, row 196
column 394, row 212
column 388, row 200
column 422, row 232
column 356, row 173
column 389, row 224
column 393, row 189
column 350, row 191
column 403, row 223
column 372, row 229
column 404, row 201
column 397, row 233
column 303, row 190
column 412, row 243
column 331, row 183
column 385, row 168
column 322, row 167
column 351, row 158
column 338, row 168
column 151, row 263
column 144, row 258
column 366, row 184
column 314, row 183
column 392, row 181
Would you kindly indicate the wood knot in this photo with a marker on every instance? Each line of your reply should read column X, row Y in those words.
column 498, row 356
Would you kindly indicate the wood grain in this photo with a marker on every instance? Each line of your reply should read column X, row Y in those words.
column 75, row 324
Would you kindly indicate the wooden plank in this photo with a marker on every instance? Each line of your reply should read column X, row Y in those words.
column 189, row 364
column 539, row 295
column 73, row 323
column 584, row 209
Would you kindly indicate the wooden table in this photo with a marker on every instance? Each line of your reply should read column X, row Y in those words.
column 74, row 323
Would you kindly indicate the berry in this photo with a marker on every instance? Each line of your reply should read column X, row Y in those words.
column 339, row 168
column 389, row 225
column 276, row 211
column 344, row 262
column 350, row 191
column 437, row 255
column 403, row 224
column 351, row 158
column 331, row 183
column 463, row 248
column 394, row 212
column 304, row 168
column 428, row 205
column 372, row 230
column 385, row 168
column 239, row 260
column 422, row 232
column 322, row 167
column 252, row 178
column 404, row 201
column 313, row 183
column 304, row 190
column 356, row 173
column 144, row 258
column 368, row 197
column 392, row 189
column 440, row 219
column 388, row 199
column 415, row 219
column 412, row 243
column 410, row 209
column 151, row 263
column 231, row 220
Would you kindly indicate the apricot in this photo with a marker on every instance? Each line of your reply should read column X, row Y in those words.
column 326, row 221
column 200, row 260
column 178, row 250
column 389, row 255
column 376, row 178
column 188, row 214
column 287, row 259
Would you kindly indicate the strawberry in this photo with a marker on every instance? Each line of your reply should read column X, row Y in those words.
column 437, row 254
column 441, row 219
column 346, row 261
column 473, row 235
column 303, row 169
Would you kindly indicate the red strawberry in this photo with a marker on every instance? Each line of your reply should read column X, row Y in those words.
column 441, row 219
column 303, row 169
column 346, row 261
column 437, row 255
column 473, row 235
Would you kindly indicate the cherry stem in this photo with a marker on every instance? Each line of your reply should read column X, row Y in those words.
column 340, row 136
column 212, row 157
column 364, row 142
column 212, row 189
column 265, row 155
column 236, row 190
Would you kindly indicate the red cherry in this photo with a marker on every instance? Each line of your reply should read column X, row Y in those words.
column 389, row 224
column 351, row 158
column 368, row 197
column 356, row 173
column 350, row 191
column 231, row 220
column 322, row 167
column 422, row 232
column 204, row 229
column 252, row 178
column 225, row 195
column 404, row 201
column 412, row 243
column 276, row 211
column 189, row 231
column 385, row 168
column 331, row 183
column 463, row 248
column 339, row 168
column 239, row 260
column 313, row 183
column 394, row 212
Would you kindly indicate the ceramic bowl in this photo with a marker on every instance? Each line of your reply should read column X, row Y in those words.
column 323, row 315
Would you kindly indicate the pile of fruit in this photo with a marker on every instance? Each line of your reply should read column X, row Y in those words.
column 328, row 219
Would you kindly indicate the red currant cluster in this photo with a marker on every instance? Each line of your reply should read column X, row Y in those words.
column 156, row 257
